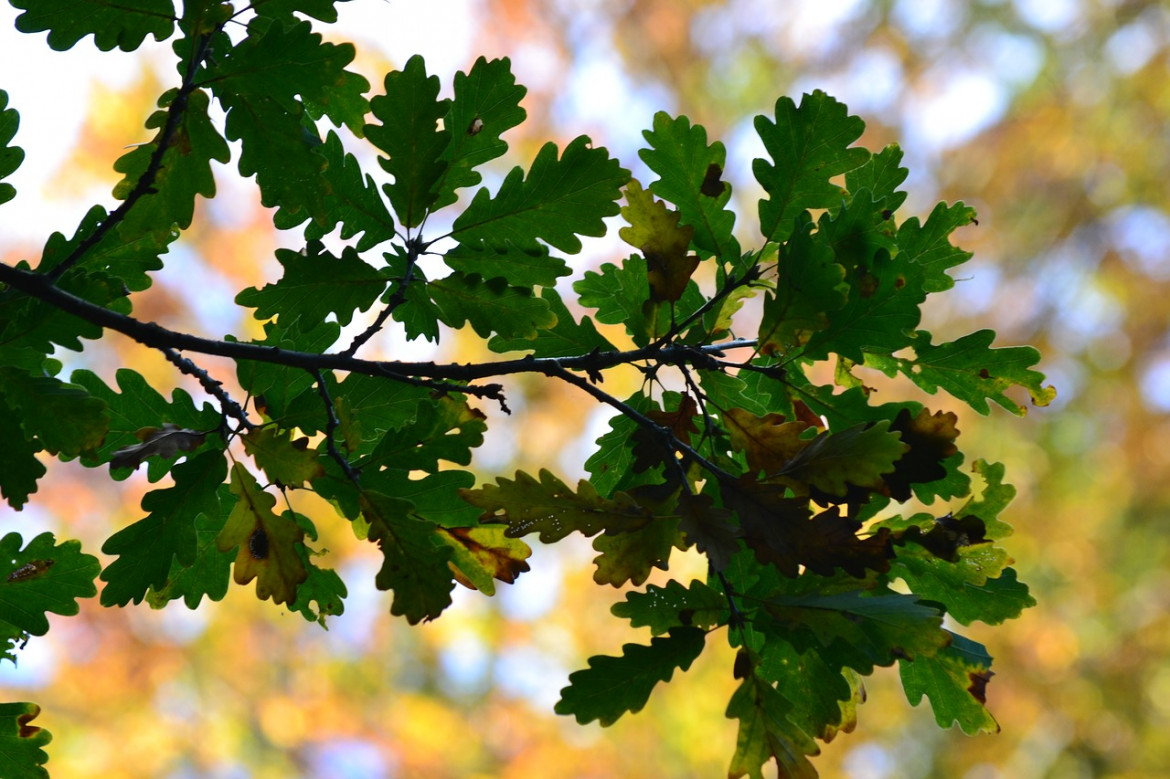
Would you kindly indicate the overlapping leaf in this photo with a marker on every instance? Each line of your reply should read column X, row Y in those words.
column 691, row 174
column 674, row 605
column 183, row 172
column 490, row 306
column 139, row 406
column 549, row 507
column 955, row 680
column 210, row 573
column 63, row 418
column 415, row 558
column 767, row 733
column 352, row 200
column 147, row 549
column 481, row 554
column 566, row 338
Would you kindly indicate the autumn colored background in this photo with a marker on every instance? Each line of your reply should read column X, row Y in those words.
column 1051, row 117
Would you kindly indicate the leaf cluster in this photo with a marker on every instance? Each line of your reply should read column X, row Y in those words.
column 731, row 447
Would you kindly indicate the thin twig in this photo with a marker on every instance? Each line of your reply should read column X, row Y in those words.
column 414, row 249
column 428, row 374
column 331, row 425
column 145, row 184
column 214, row 388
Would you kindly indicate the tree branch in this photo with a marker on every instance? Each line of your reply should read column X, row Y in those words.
column 428, row 374
column 214, row 388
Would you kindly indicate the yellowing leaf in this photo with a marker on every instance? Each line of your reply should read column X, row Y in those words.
column 289, row 462
column 550, row 508
column 655, row 231
column 481, row 554
column 267, row 542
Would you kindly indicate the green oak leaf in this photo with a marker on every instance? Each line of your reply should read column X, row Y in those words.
column 444, row 429
column 290, row 462
column 972, row 371
column 183, row 173
column 520, row 267
column 19, row 467
column 611, row 686
column 854, row 630
column 352, row 200
column 410, row 112
column 955, row 680
column 314, row 285
column 211, row 572
column 619, row 295
column 559, row 200
column 285, row 62
column 490, row 306
column 767, row 733
column 929, row 246
column 321, row 586
column 44, row 577
column 881, row 174
column 810, row 285
column 64, row 418
column 10, row 156
column 21, row 752
column 486, row 105
column 822, row 699
column 415, row 558
column 674, row 605
column 124, row 25
column 567, row 338
column 809, row 145
column 690, row 176
column 551, row 508
column 127, row 258
column 275, row 387
column 147, row 548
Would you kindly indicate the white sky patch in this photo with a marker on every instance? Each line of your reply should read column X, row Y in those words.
column 1132, row 46
column 1015, row 59
column 928, row 18
column 960, row 107
column 1051, row 16
column 441, row 32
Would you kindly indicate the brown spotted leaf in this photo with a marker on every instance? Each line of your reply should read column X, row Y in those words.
column 481, row 554
column 655, row 231
column 267, row 543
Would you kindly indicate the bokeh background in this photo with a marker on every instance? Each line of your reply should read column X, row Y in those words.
column 1049, row 116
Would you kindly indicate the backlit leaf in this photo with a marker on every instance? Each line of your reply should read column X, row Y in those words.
column 611, row 686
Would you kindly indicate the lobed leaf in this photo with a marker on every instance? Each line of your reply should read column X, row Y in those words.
column 124, row 25
column 955, row 680
column 21, row 753
column 809, row 145
column 268, row 545
column 147, row 549
column 10, row 156
column 44, row 577
column 690, row 176
column 410, row 112
column 611, row 686
column 559, row 200
column 316, row 284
